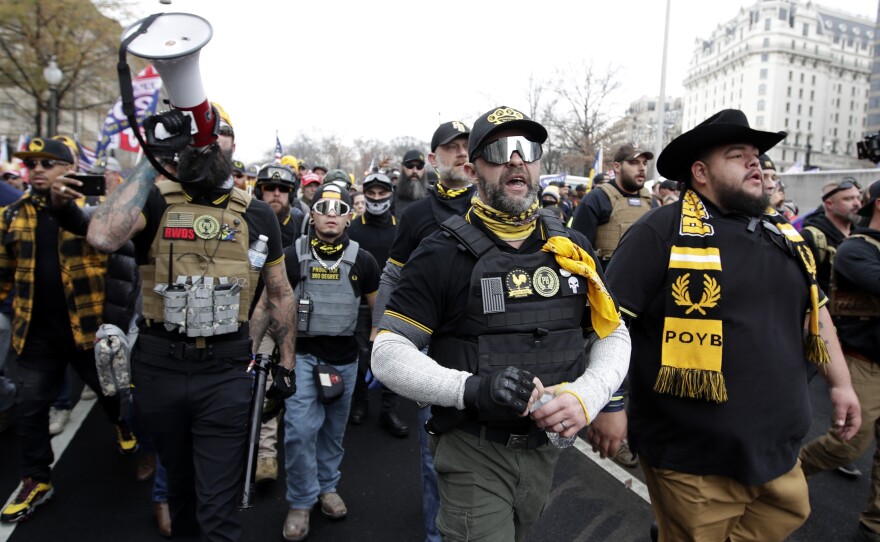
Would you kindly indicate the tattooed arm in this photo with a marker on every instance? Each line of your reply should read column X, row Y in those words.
column 119, row 218
column 276, row 311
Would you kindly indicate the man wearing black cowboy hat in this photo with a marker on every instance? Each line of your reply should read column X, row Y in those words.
column 718, row 397
column 855, row 302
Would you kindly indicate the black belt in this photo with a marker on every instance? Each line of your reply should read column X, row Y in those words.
column 528, row 441
column 190, row 352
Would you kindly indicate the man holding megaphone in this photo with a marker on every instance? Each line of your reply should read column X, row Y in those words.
column 202, row 246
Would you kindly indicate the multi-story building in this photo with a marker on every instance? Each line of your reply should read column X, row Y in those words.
column 639, row 124
column 790, row 66
column 873, row 125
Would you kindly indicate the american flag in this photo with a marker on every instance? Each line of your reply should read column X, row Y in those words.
column 87, row 156
column 278, row 151
column 493, row 295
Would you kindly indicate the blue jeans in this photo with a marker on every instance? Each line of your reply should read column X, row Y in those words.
column 430, row 494
column 160, row 483
column 313, row 434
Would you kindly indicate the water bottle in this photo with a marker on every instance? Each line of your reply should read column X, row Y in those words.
column 258, row 252
column 555, row 438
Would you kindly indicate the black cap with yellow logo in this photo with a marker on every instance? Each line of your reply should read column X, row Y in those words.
column 503, row 118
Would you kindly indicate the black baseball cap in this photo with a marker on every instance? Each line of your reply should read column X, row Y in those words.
column 446, row 132
column 503, row 118
column 46, row 148
column 871, row 196
column 766, row 162
column 415, row 155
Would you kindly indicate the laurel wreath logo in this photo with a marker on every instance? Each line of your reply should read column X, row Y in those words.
column 682, row 295
column 807, row 256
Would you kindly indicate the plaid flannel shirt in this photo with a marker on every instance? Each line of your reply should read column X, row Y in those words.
column 82, row 274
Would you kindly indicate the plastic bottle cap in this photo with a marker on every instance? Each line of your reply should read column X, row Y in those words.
column 263, row 238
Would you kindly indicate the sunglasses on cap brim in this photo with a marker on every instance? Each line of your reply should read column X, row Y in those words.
column 845, row 185
column 499, row 152
column 326, row 206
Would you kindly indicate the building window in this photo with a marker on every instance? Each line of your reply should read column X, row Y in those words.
column 788, row 92
column 761, row 105
column 812, row 95
column 786, row 122
column 810, row 125
column 787, row 107
column 763, row 73
column 790, row 75
column 801, row 93
column 811, row 110
column 802, row 78
column 797, row 124
column 765, row 57
column 766, row 42
column 799, row 109
column 759, row 121
column 762, row 89
column 806, row 30
column 767, row 24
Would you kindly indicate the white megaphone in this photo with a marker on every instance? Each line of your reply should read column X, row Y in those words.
column 173, row 42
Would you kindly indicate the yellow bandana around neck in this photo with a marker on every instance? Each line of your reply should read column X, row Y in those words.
column 505, row 226
column 450, row 193
column 603, row 311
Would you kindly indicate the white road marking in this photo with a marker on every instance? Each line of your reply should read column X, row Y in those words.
column 637, row 486
column 59, row 444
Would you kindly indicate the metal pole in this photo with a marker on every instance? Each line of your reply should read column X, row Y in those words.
column 52, row 127
column 661, row 100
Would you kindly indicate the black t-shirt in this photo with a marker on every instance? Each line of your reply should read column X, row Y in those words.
column 260, row 219
column 49, row 332
column 436, row 296
column 364, row 278
column 422, row 218
column 754, row 436
column 374, row 234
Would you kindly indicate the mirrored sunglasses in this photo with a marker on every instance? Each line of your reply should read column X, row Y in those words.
column 46, row 163
column 326, row 206
column 499, row 152
column 414, row 165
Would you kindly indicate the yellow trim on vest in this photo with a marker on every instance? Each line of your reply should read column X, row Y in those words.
column 409, row 321
column 395, row 262
column 628, row 312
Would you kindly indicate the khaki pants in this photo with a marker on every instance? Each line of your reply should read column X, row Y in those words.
column 828, row 452
column 489, row 492
column 717, row 508
column 269, row 430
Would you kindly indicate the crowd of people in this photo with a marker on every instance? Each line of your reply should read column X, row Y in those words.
column 516, row 315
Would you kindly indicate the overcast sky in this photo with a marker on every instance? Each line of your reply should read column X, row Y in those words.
column 385, row 69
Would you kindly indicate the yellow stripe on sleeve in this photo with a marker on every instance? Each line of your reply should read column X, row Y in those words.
column 409, row 321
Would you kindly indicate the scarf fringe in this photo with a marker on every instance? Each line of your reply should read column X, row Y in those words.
column 691, row 383
column 816, row 350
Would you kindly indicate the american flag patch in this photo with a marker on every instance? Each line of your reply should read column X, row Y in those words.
column 493, row 295
column 180, row 220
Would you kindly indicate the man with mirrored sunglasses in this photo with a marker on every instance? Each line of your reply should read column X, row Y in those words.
column 330, row 275
column 499, row 297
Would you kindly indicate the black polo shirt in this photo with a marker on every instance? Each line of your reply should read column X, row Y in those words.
column 755, row 436
column 364, row 278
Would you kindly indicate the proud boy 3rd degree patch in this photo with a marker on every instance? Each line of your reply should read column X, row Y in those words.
column 319, row 273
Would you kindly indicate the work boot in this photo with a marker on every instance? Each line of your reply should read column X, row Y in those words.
column 625, row 457
column 358, row 413
column 296, row 525
column 267, row 469
column 32, row 494
column 391, row 421
column 163, row 518
column 849, row 470
column 332, row 505
column 146, row 467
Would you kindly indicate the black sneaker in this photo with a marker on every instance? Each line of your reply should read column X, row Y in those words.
column 33, row 493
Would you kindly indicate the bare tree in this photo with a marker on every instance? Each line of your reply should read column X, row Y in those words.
column 580, row 118
column 83, row 41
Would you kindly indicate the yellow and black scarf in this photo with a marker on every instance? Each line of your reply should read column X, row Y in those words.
column 508, row 227
column 328, row 250
column 693, row 326
column 444, row 192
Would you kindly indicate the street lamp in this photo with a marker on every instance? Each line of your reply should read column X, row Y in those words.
column 53, row 76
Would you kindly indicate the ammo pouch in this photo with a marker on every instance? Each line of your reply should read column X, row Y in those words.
column 201, row 308
column 328, row 382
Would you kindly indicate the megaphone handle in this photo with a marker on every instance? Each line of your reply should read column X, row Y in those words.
column 127, row 94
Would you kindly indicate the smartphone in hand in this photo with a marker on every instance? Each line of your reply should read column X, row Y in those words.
column 92, row 185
